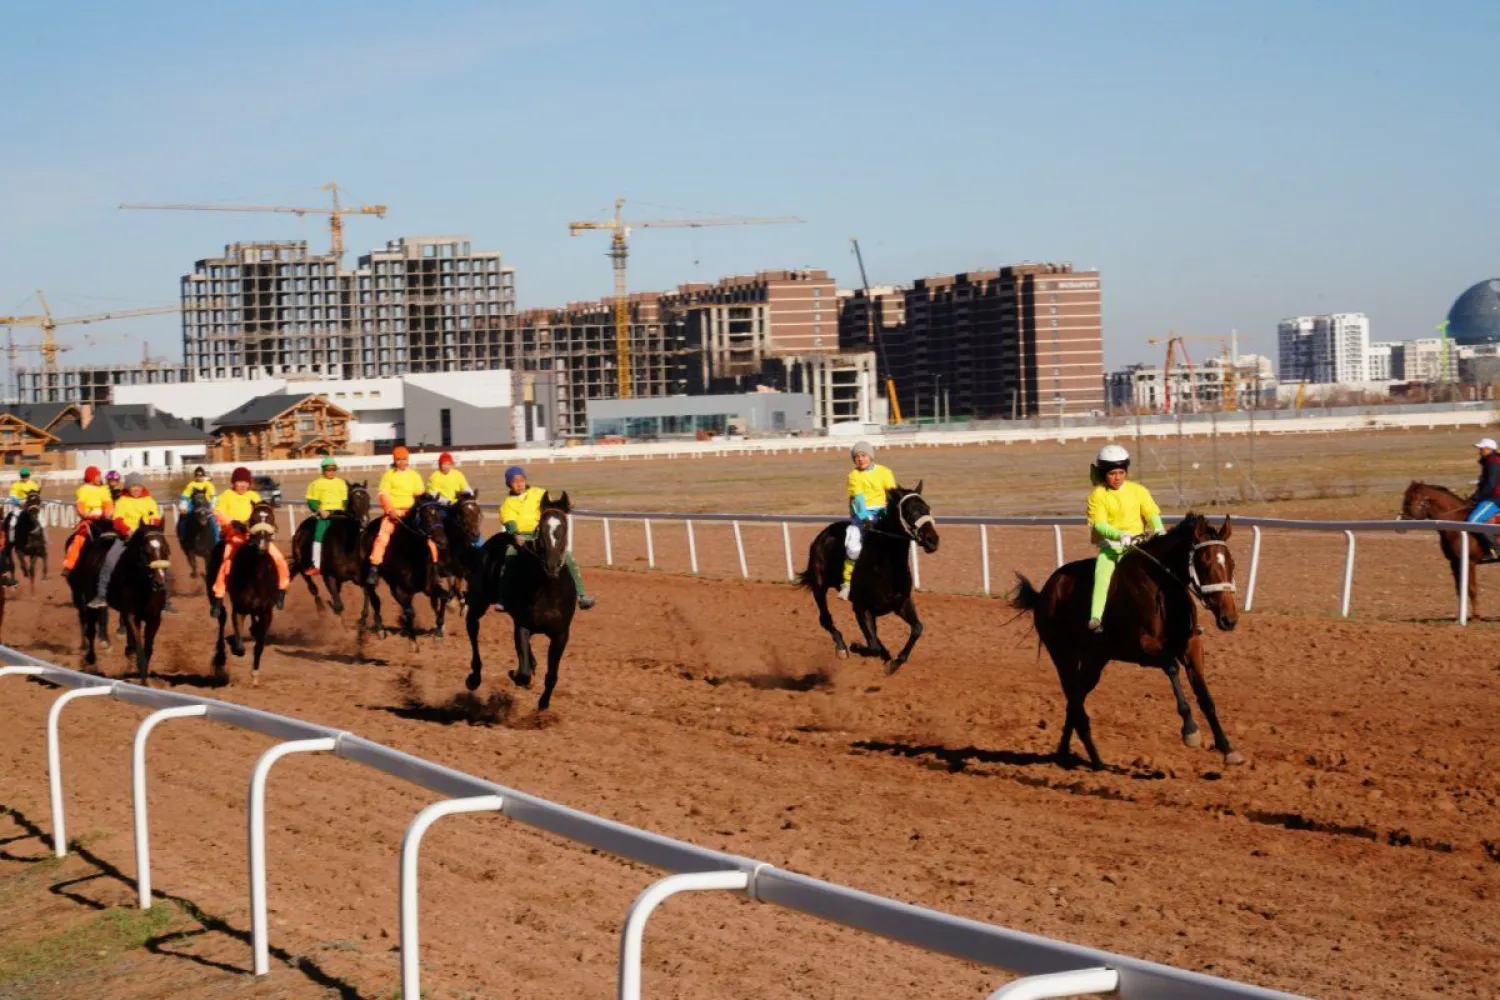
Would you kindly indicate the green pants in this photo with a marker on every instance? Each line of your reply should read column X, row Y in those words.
column 320, row 528
column 573, row 571
column 1104, row 571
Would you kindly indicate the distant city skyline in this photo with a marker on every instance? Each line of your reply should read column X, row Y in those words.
column 1223, row 167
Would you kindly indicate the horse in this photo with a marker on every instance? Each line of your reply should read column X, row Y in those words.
column 409, row 567
column 138, row 591
column 1151, row 620
column 340, row 563
column 29, row 538
column 251, row 590
column 1426, row 502
column 195, row 533
column 882, row 582
column 463, row 520
column 537, row 592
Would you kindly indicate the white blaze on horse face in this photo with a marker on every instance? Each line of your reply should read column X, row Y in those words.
column 554, row 525
column 1220, row 558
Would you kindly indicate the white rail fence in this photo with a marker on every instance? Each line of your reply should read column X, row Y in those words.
column 1047, row 968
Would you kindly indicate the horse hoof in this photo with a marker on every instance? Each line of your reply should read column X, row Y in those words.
column 842, row 654
column 472, row 681
column 520, row 681
column 893, row 666
column 1234, row 758
column 1193, row 739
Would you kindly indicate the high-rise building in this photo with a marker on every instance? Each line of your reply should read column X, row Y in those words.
column 1378, row 361
column 1327, row 349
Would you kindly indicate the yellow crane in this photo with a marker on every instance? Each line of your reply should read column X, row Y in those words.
column 48, row 324
column 335, row 212
column 619, row 230
column 1229, row 393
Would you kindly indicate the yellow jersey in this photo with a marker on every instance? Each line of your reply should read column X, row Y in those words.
column 1126, row 510
column 331, row 495
column 195, row 488
column 447, row 485
column 524, row 511
column 134, row 510
column 93, row 501
column 232, row 506
column 23, row 488
column 400, row 488
column 867, row 490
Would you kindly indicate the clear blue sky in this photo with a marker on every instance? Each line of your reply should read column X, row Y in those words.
column 1224, row 164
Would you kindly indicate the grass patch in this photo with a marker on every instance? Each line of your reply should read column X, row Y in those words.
column 97, row 939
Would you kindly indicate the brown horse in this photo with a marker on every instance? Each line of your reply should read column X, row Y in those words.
column 1426, row 502
column 1151, row 619
column 251, row 590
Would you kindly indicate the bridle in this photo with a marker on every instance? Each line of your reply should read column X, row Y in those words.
column 534, row 546
column 1193, row 584
column 909, row 527
column 1425, row 505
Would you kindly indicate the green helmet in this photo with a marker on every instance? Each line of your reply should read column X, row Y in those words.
column 329, row 463
column 25, row 472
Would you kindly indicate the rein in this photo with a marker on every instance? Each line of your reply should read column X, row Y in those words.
column 1192, row 584
column 909, row 528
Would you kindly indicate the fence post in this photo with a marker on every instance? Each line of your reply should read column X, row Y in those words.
column 916, row 569
column 258, row 920
column 1254, row 566
column 570, row 542
column 1348, row 574
column 54, row 762
column 411, row 845
column 1057, row 542
column 609, row 546
column 739, row 545
column 138, row 792
column 650, row 546
column 1463, row 579
column 291, row 523
column 786, row 546
column 1058, row 985
column 692, row 548
column 640, row 912
column 984, row 556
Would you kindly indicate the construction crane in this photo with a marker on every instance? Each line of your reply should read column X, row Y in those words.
column 335, row 213
column 1230, row 388
column 619, row 230
column 873, row 332
column 48, row 324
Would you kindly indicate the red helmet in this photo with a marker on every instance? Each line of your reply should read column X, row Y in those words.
column 241, row 474
column 91, row 474
column 445, row 459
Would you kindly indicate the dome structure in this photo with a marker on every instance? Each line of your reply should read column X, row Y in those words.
column 1475, row 316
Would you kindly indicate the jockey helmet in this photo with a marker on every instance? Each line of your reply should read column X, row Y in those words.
column 329, row 463
column 445, row 459
column 25, row 472
column 111, row 476
column 513, row 472
column 862, row 448
column 1487, row 443
column 199, row 472
column 134, row 479
column 241, row 475
column 1110, row 457
column 400, row 452
column 91, row 474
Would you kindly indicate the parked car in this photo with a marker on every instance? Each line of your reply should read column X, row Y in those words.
column 268, row 488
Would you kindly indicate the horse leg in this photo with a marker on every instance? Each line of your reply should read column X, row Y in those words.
column 219, row 658
column 312, row 588
column 908, row 614
column 334, row 600
column 472, row 618
column 260, row 625
column 148, row 645
column 132, row 634
column 1190, row 734
column 1194, row 663
column 86, row 624
column 102, row 628
column 372, row 609
column 556, row 646
column 872, row 646
column 1088, row 677
column 439, row 599
column 522, row 674
column 825, row 619
column 236, row 640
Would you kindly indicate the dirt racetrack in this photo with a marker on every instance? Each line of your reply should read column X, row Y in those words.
column 1357, row 854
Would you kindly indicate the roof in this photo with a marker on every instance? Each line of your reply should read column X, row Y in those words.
column 40, row 415
column 139, row 423
column 264, row 409
column 1475, row 316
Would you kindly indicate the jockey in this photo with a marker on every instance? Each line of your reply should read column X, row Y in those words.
column 326, row 496
column 134, row 508
column 199, row 486
column 399, row 488
column 521, row 513
column 1118, row 512
column 232, row 510
column 93, row 502
column 19, row 491
column 112, row 480
column 1486, row 498
column 447, row 483
column 868, row 484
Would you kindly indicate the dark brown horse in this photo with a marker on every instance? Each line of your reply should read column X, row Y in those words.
column 1151, row 619
column 535, row 589
column 195, row 533
column 137, row 590
column 341, row 562
column 1426, row 502
column 29, row 538
column 252, row 589
column 882, row 582
column 409, row 567
column 463, row 520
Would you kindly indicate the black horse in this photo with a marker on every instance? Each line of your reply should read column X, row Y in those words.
column 882, row 583
column 138, row 591
column 463, row 521
column 29, row 538
column 340, row 562
column 195, row 533
column 1151, row 619
column 409, row 567
column 537, row 592
column 251, row 590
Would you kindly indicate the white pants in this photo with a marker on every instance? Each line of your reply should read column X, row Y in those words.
column 854, row 540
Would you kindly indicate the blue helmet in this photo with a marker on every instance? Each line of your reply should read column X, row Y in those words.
column 513, row 472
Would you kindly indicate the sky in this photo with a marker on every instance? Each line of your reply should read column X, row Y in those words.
column 1224, row 165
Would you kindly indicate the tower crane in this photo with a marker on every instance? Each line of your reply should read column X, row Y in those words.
column 619, row 230
column 48, row 324
column 874, row 333
column 335, row 212
column 1229, row 392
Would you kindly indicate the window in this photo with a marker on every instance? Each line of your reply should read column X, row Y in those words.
column 445, row 426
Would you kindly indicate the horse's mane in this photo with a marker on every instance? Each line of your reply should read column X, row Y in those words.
column 1418, row 485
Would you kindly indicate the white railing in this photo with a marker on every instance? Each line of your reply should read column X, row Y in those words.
column 1040, row 961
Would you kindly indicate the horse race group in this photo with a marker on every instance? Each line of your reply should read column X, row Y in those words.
column 428, row 540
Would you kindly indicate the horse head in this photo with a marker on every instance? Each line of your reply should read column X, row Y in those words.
column 1426, row 502
column 262, row 525
column 551, row 540
column 913, row 517
column 359, row 500
column 151, row 544
column 468, row 517
column 426, row 518
column 1211, row 569
column 33, row 502
column 200, row 508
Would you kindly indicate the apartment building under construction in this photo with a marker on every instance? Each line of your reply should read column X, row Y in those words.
column 92, row 384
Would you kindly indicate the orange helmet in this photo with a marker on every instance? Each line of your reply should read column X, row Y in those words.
column 400, row 452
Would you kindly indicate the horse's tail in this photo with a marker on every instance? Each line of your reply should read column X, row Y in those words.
column 1027, row 597
column 808, row 579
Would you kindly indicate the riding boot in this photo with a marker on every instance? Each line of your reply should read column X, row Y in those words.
column 585, row 600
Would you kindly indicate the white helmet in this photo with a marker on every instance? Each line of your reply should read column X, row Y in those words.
column 1112, row 456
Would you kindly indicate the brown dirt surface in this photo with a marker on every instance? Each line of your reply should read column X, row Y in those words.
column 1357, row 854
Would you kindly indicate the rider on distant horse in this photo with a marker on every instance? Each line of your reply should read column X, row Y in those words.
column 1486, row 497
column 446, row 482
column 326, row 496
column 233, row 509
column 521, row 513
column 94, row 503
column 1118, row 512
column 134, row 508
column 112, row 481
column 19, row 491
column 199, row 486
column 399, row 489
column 868, row 483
